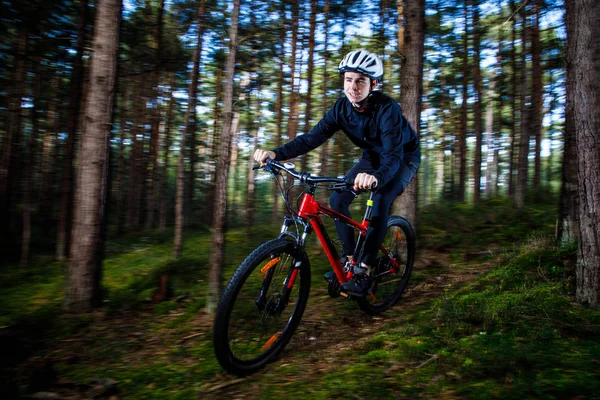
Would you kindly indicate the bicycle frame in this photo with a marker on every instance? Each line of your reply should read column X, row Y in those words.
column 309, row 216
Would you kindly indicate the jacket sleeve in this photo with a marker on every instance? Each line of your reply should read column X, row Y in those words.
column 318, row 135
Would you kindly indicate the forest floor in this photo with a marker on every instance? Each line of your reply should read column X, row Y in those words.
column 333, row 333
column 489, row 314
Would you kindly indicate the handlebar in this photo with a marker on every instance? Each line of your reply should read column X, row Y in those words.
column 338, row 183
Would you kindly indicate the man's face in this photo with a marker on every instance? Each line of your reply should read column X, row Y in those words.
column 357, row 86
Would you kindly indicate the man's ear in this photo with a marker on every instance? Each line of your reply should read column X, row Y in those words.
column 374, row 84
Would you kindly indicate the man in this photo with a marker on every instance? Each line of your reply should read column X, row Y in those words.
column 390, row 158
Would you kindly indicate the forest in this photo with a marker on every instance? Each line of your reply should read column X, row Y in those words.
column 127, row 129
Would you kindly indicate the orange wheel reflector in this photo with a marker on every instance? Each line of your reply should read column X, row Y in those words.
column 373, row 297
column 270, row 341
column 270, row 264
column 398, row 235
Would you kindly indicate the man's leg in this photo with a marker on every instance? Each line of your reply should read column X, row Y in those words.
column 340, row 202
column 382, row 201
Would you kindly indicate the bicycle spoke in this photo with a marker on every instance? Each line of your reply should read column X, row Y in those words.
column 392, row 268
column 263, row 311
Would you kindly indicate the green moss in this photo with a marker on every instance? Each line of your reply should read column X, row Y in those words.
column 512, row 332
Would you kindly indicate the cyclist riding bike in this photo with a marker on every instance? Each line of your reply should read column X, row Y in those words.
column 390, row 154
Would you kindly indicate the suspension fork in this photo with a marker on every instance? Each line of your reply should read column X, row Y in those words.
column 289, row 281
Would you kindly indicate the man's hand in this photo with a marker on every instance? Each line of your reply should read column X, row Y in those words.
column 364, row 181
column 260, row 156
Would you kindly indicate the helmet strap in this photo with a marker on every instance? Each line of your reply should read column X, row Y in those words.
column 363, row 104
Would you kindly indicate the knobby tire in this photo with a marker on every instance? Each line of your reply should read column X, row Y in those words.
column 247, row 333
column 400, row 241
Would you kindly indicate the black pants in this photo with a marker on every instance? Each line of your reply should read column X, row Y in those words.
column 382, row 201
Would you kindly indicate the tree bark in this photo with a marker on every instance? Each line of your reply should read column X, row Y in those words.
column 120, row 183
column 583, row 91
column 48, row 169
column 501, row 90
column 478, row 106
column 189, row 131
column 214, row 143
column 324, row 157
column 253, row 128
column 153, row 174
column 462, row 140
column 410, row 97
column 76, row 89
column 567, row 228
column 28, row 178
column 12, row 136
column 218, row 241
column 292, row 127
column 279, row 106
column 524, row 132
column 309, row 75
column 513, row 104
column 137, row 159
column 162, row 223
column 85, row 269
column 535, row 117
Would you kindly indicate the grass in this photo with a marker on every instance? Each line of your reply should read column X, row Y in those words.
column 512, row 330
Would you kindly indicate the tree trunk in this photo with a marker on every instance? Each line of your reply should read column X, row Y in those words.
column 218, row 242
column 28, row 178
column 567, row 228
column 137, row 163
column 12, row 135
column 491, row 167
column 66, row 202
column 462, row 141
column 513, row 103
column 477, row 107
column 154, row 175
column 324, row 157
column 120, row 182
column 48, row 169
column 583, row 92
column 189, row 129
column 523, row 161
column 501, row 90
column 294, row 85
column 85, row 269
column 535, row 117
column 410, row 98
column 251, row 187
column 279, row 106
column 214, row 145
column 309, row 75
column 165, row 164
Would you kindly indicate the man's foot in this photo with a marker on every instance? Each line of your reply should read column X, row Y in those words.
column 360, row 283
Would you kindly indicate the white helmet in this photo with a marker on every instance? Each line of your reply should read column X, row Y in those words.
column 364, row 62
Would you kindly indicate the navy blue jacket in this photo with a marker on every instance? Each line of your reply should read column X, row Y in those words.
column 384, row 135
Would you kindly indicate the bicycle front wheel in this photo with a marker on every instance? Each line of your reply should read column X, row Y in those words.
column 260, row 309
column 390, row 282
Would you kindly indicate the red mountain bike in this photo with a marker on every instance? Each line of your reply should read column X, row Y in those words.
column 266, row 296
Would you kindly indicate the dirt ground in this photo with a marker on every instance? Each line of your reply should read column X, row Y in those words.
column 327, row 330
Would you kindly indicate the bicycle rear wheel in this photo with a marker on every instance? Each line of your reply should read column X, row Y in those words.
column 389, row 283
column 259, row 312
